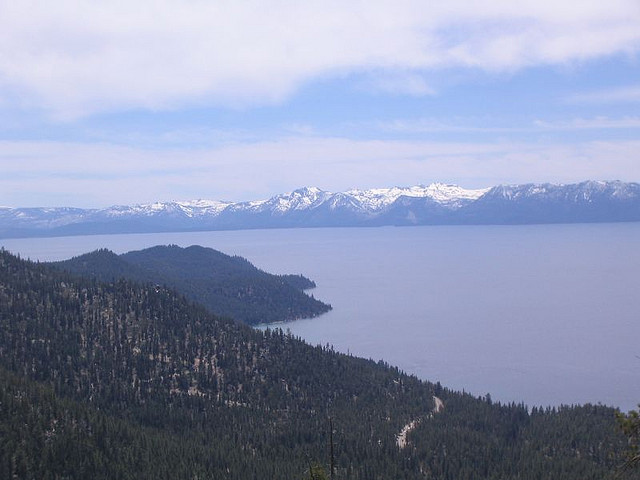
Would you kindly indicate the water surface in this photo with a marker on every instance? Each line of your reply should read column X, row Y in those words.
column 544, row 314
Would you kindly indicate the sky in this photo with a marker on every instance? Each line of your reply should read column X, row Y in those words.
column 126, row 102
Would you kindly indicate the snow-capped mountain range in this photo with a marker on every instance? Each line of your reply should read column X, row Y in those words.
column 434, row 204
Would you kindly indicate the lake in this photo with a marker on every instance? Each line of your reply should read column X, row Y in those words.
column 543, row 314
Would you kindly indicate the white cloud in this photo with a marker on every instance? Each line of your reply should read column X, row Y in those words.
column 426, row 125
column 102, row 174
column 434, row 125
column 627, row 94
column 77, row 57
column 596, row 123
column 399, row 84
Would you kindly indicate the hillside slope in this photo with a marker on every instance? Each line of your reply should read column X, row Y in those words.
column 80, row 354
column 227, row 286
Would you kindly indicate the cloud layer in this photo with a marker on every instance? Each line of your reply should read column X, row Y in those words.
column 70, row 174
column 77, row 57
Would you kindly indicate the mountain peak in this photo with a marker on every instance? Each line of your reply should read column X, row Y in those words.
column 308, row 191
column 449, row 195
column 435, row 203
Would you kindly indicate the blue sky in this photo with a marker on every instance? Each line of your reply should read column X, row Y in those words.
column 106, row 103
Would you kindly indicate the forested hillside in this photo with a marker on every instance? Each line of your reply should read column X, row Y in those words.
column 226, row 285
column 118, row 380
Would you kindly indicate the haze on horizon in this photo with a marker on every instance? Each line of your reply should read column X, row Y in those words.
column 133, row 102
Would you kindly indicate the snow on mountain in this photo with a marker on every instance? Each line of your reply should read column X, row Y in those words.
column 191, row 209
column 578, row 192
column 301, row 199
column 307, row 198
column 202, row 206
column 437, row 203
column 365, row 201
column 451, row 196
column 41, row 217
column 614, row 190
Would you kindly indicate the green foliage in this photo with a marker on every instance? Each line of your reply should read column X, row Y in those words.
column 117, row 380
column 630, row 425
column 227, row 286
column 45, row 437
column 298, row 281
column 316, row 472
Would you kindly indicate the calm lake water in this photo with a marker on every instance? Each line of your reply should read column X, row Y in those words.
column 545, row 314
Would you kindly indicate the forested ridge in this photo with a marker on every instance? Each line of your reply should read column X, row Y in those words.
column 124, row 380
column 227, row 285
